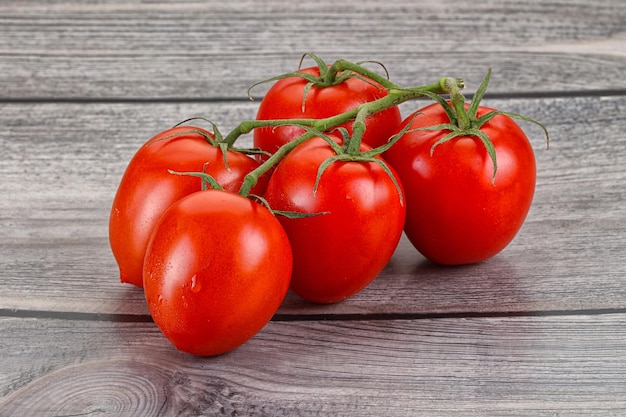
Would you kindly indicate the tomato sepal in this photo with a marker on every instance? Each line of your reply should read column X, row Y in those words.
column 464, row 121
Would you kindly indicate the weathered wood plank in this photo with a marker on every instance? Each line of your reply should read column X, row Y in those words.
column 62, row 164
column 538, row 330
column 206, row 77
column 205, row 50
column 540, row 366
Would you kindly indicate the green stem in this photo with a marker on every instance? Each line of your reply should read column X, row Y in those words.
column 394, row 97
column 358, row 129
column 253, row 176
column 458, row 102
column 343, row 65
column 328, row 76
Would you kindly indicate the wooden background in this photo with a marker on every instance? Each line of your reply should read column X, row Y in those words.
column 538, row 330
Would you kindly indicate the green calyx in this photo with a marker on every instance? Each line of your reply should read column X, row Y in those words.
column 331, row 75
column 284, row 213
column 465, row 122
column 217, row 140
column 350, row 151
column 208, row 182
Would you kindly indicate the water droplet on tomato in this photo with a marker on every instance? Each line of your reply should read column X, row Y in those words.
column 195, row 284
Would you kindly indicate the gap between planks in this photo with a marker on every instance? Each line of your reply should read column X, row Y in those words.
column 176, row 100
column 145, row 318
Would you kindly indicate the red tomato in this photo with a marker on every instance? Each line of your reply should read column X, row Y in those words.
column 147, row 189
column 338, row 253
column 284, row 100
column 456, row 213
column 217, row 268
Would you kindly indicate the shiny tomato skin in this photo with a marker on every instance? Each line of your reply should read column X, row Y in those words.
column 338, row 253
column 147, row 189
column 217, row 268
column 284, row 101
column 455, row 213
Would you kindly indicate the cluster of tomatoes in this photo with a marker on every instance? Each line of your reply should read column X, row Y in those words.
column 323, row 216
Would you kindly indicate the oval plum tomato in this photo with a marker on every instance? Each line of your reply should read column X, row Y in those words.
column 284, row 100
column 217, row 268
column 457, row 212
column 359, row 223
column 147, row 188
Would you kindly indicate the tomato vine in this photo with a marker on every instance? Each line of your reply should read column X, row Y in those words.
column 330, row 75
column 320, row 210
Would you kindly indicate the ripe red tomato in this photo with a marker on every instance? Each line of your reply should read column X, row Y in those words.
column 284, row 100
column 456, row 213
column 147, row 189
column 338, row 253
column 217, row 268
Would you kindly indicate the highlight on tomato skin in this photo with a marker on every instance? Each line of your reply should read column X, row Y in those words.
column 147, row 188
column 217, row 268
column 457, row 212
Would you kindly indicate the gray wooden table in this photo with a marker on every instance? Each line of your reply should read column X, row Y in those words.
column 538, row 330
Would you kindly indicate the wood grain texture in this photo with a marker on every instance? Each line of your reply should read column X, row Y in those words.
column 117, row 49
column 538, row 330
column 64, row 162
column 509, row 366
